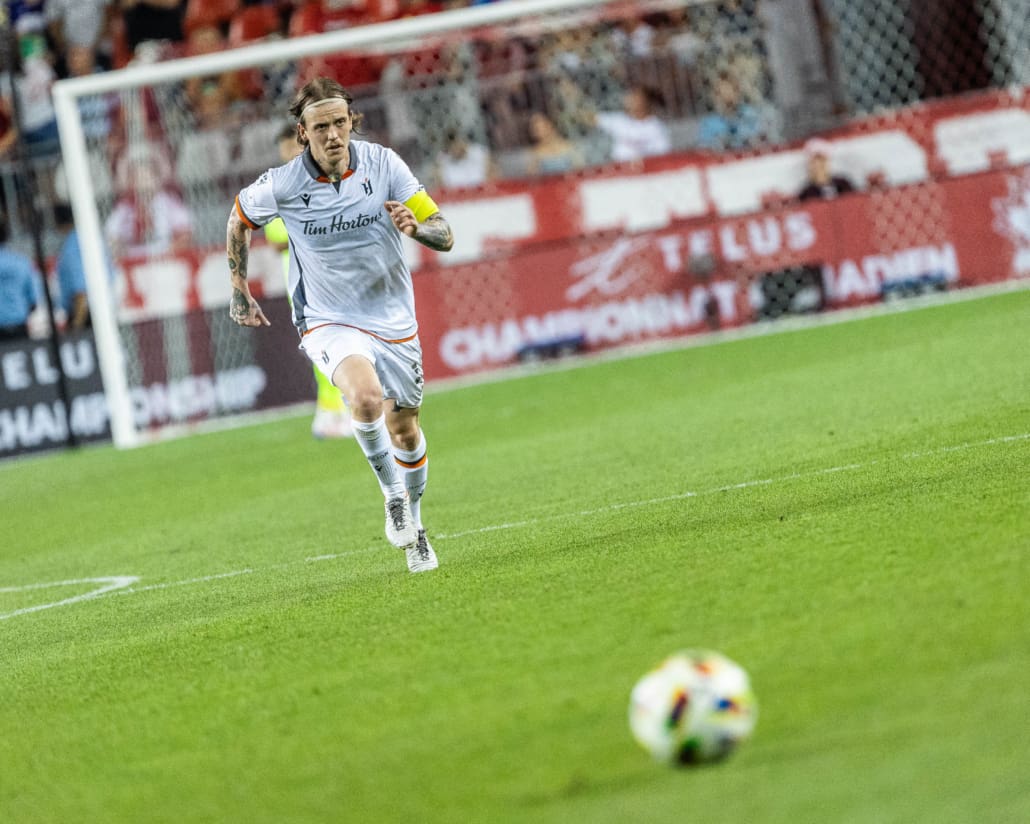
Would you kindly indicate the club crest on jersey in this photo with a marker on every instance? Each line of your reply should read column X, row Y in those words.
column 366, row 185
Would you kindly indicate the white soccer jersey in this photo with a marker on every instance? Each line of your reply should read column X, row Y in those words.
column 346, row 260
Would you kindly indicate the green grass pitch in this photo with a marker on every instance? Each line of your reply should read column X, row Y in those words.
column 845, row 510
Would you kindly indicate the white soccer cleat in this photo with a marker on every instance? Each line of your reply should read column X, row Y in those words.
column 421, row 557
column 400, row 526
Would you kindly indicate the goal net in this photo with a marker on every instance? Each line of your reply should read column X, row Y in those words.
column 614, row 172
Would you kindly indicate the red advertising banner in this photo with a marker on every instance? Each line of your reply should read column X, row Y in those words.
column 618, row 288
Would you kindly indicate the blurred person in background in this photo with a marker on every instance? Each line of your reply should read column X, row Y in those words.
column 71, row 276
column 799, row 289
column 551, row 153
column 636, row 132
column 39, row 132
column 207, row 39
column 821, row 182
column 462, row 163
column 733, row 123
column 346, row 203
column 332, row 420
column 77, row 28
column 19, row 290
column 149, row 218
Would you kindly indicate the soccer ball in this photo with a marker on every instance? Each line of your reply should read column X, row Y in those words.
column 694, row 707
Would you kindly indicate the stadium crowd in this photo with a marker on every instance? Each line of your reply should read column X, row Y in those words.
column 646, row 62
column 516, row 101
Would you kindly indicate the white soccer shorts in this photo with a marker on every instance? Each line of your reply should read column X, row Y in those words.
column 398, row 365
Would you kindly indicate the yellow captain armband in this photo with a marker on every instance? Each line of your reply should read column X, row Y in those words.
column 275, row 232
column 422, row 205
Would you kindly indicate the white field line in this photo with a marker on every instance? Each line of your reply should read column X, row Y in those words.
column 679, row 496
column 109, row 584
column 123, row 584
column 130, row 590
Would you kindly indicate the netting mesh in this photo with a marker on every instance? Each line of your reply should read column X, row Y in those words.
column 506, row 110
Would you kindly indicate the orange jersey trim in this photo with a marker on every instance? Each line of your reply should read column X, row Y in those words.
column 420, row 462
column 249, row 223
column 366, row 331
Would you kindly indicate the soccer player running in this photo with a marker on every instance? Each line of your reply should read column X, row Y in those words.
column 345, row 203
column 332, row 420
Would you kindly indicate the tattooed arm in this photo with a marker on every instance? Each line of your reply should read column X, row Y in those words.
column 434, row 232
column 242, row 307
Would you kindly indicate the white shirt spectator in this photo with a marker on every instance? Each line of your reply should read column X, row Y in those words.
column 634, row 138
column 147, row 225
column 471, row 169
column 82, row 20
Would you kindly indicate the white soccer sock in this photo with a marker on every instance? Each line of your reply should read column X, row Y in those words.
column 374, row 441
column 414, row 466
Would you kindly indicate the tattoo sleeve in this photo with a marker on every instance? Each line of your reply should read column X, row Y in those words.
column 238, row 250
column 435, row 233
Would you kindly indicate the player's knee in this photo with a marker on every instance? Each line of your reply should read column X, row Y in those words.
column 366, row 405
column 406, row 439
column 404, row 432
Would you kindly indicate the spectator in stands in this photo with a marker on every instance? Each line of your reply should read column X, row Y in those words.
column 733, row 123
column 205, row 154
column 207, row 39
column 799, row 289
column 821, row 182
column 636, row 132
column 80, row 61
column 71, row 275
column 462, row 163
column 38, row 119
column 19, row 290
column 503, row 66
column 332, row 419
column 76, row 28
column 551, row 153
column 149, row 217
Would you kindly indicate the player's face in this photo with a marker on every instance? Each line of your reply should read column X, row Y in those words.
column 327, row 129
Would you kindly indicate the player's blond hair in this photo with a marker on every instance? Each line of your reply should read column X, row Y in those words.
column 317, row 90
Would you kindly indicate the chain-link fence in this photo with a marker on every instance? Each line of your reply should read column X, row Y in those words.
column 532, row 99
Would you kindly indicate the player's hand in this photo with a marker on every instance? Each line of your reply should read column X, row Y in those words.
column 245, row 311
column 403, row 218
